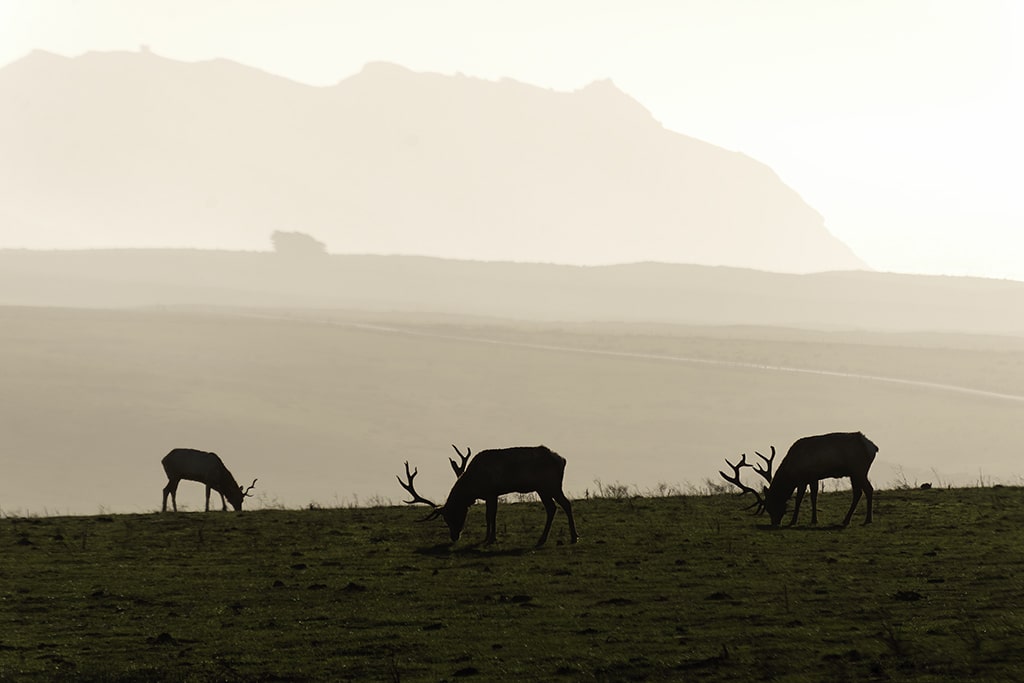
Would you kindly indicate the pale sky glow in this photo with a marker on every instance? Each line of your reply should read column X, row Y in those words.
column 898, row 120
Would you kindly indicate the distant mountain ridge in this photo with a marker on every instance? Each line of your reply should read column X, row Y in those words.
column 634, row 293
column 135, row 150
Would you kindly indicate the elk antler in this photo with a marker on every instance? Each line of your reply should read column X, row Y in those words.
column 251, row 487
column 459, row 468
column 735, row 479
column 408, row 486
column 766, row 473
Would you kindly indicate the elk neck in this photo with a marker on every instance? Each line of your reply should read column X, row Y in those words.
column 466, row 490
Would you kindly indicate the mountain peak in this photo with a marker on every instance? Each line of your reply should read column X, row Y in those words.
column 601, row 85
column 36, row 59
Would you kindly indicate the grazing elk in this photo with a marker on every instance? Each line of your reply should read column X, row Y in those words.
column 810, row 459
column 206, row 468
column 492, row 473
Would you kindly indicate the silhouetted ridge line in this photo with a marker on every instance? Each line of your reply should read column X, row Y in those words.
column 215, row 154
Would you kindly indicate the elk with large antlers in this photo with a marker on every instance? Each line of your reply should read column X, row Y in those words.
column 492, row 473
column 810, row 459
column 206, row 468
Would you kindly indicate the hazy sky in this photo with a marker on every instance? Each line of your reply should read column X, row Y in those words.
column 899, row 120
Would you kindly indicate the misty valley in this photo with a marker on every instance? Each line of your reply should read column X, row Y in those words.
column 324, row 406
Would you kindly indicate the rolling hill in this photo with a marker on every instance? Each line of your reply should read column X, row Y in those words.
column 641, row 292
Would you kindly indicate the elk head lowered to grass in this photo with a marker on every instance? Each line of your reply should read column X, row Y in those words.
column 810, row 459
column 492, row 473
column 206, row 468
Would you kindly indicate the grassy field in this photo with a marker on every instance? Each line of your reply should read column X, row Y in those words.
column 675, row 588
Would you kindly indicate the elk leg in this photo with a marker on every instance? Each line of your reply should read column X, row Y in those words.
column 796, row 505
column 868, row 491
column 549, row 508
column 814, row 502
column 857, row 491
column 171, row 488
column 223, row 504
column 492, row 520
column 567, row 506
column 207, row 498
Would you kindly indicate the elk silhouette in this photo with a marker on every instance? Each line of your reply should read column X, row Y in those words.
column 205, row 468
column 492, row 473
column 810, row 459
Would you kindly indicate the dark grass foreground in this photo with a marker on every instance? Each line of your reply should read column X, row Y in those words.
column 685, row 588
